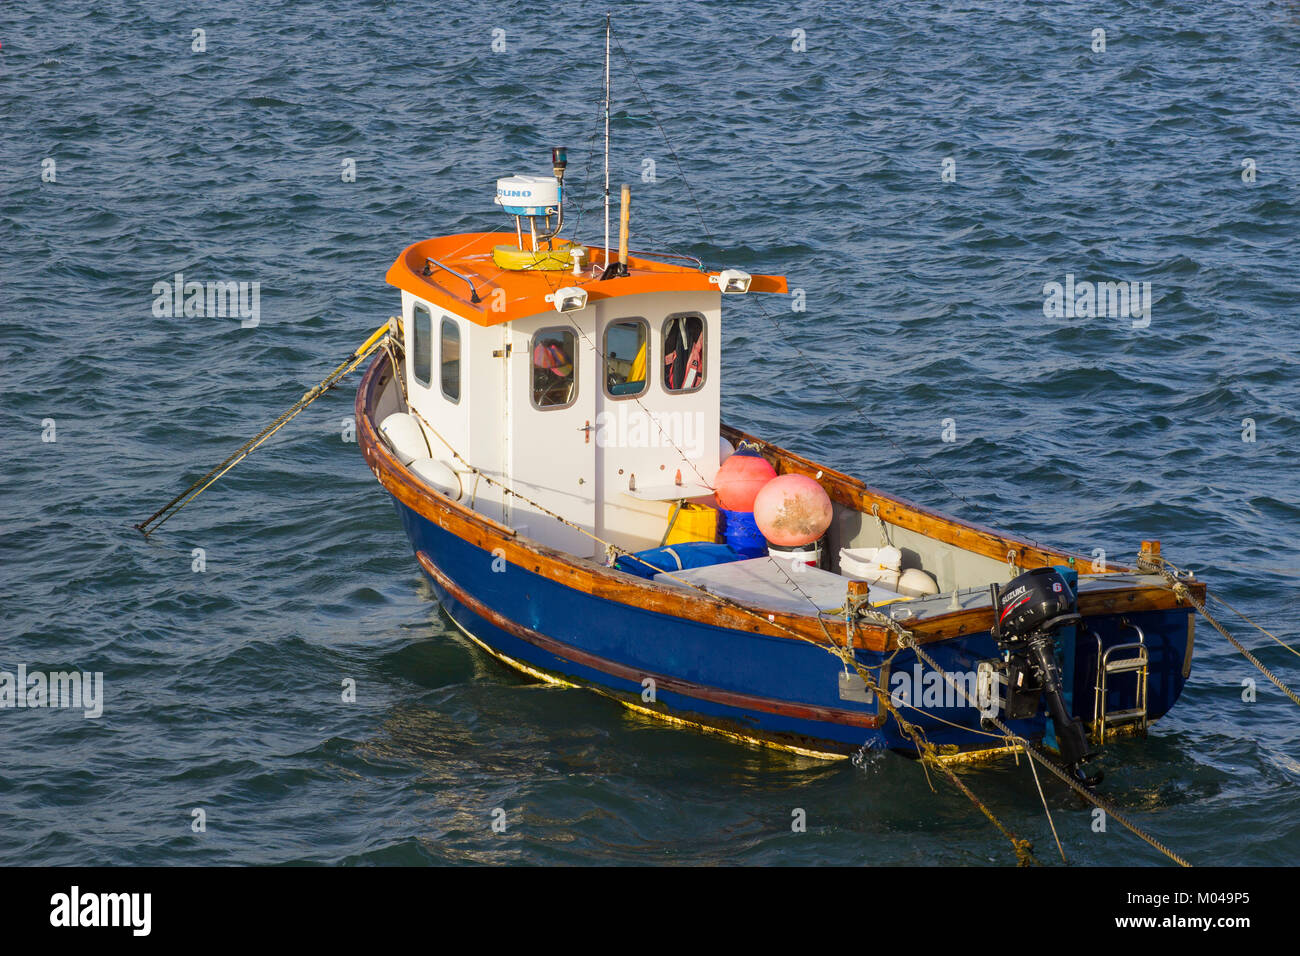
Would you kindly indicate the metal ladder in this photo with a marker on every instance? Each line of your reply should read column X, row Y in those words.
column 1120, row 659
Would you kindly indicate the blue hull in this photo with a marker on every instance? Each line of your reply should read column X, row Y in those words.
column 757, row 687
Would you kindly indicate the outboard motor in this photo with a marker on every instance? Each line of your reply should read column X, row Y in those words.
column 1028, row 612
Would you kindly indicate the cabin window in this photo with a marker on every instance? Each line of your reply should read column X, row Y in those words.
column 422, row 346
column 627, row 358
column 449, row 349
column 684, row 354
column 555, row 367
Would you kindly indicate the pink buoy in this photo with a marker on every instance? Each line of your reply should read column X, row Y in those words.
column 740, row 478
column 792, row 511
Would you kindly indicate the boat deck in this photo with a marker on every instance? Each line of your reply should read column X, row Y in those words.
column 773, row 584
column 770, row 584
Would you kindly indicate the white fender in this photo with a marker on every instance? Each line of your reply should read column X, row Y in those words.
column 916, row 583
column 405, row 437
column 439, row 476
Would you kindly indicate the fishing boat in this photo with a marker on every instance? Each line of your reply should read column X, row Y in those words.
column 547, row 421
column 545, row 414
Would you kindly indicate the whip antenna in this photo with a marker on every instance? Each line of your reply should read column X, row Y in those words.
column 607, row 140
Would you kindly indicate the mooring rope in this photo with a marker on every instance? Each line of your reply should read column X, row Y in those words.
column 905, row 638
column 929, row 754
column 927, row 751
column 156, row 520
column 1258, row 627
column 1035, row 754
column 1178, row 585
column 1050, row 822
column 930, row 758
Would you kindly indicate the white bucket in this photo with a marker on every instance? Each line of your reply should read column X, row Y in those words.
column 874, row 565
column 810, row 554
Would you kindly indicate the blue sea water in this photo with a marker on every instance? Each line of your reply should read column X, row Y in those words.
column 806, row 139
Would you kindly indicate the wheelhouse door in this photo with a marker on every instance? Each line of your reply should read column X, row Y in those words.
column 553, row 432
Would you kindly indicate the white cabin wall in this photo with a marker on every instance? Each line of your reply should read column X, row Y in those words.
column 485, row 388
column 631, row 444
column 451, row 420
column 549, row 455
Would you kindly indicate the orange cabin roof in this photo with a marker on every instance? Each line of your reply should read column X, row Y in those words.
column 525, row 292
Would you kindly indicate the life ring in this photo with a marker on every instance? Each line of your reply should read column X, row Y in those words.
column 547, row 260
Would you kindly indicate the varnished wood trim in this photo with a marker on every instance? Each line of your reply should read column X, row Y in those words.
column 852, row 493
column 713, row 695
column 1112, row 601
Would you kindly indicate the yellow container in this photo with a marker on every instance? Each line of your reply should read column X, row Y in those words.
column 694, row 523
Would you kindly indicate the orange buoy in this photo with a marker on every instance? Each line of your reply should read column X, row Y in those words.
column 792, row 511
column 740, row 478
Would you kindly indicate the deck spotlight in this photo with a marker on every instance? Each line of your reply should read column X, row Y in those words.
column 568, row 299
column 732, row 281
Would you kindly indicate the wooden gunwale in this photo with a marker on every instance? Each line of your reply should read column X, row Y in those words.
column 853, row 493
column 748, row 702
column 589, row 577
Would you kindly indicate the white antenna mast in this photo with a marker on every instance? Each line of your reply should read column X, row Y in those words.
column 607, row 140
